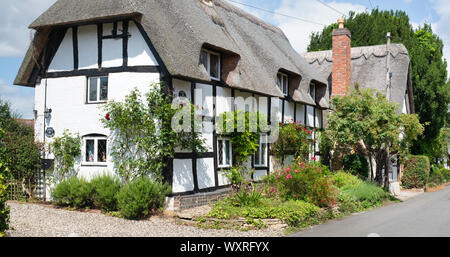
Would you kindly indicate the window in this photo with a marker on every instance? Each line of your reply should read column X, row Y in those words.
column 95, row 150
column 312, row 91
column 97, row 90
column 211, row 62
column 283, row 83
column 260, row 157
column 224, row 152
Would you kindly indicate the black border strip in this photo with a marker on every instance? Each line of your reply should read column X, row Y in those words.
column 75, row 47
column 102, row 72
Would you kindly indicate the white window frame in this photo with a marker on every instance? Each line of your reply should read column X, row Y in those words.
column 262, row 154
column 221, row 140
column 208, row 62
column 98, row 89
column 283, row 84
column 95, row 162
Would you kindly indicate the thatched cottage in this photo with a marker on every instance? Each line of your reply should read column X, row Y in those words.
column 87, row 52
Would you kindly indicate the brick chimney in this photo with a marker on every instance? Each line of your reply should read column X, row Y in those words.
column 341, row 68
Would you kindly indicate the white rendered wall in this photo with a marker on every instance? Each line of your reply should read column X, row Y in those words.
column 183, row 178
column 276, row 108
column 67, row 99
column 310, row 116
column 204, row 99
column 223, row 101
column 87, row 47
column 205, row 173
column 300, row 113
column 112, row 50
column 63, row 59
column 138, row 51
column 288, row 112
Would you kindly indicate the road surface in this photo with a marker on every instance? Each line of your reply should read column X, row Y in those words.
column 425, row 215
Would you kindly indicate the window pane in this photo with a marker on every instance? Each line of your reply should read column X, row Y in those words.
column 204, row 59
column 101, row 149
column 285, row 85
column 263, row 154
column 92, row 89
column 214, row 65
column 103, row 89
column 220, row 152
column 227, row 152
column 90, row 156
column 279, row 82
column 258, row 156
column 312, row 91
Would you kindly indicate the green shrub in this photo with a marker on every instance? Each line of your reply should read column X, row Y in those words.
column 137, row 198
column 446, row 173
column 416, row 171
column 247, row 198
column 4, row 209
column 357, row 164
column 344, row 179
column 295, row 213
column 305, row 181
column 74, row 192
column 367, row 194
column 436, row 177
column 104, row 191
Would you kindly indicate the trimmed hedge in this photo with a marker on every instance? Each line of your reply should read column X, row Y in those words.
column 416, row 172
column 104, row 191
column 75, row 192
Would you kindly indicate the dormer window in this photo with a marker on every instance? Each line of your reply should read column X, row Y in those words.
column 283, row 83
column 312, row 91
column 211, row 61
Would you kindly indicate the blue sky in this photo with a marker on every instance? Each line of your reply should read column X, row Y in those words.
column 15, row 16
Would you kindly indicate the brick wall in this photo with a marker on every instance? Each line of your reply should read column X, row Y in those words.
column 182, row 202
column 341, row 68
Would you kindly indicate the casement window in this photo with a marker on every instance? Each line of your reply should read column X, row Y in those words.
column 95, row 152
column 97, row 90
column 260, row 157
column 283, row 83
column 211, row 61
column 224, row 152
column 312, row 91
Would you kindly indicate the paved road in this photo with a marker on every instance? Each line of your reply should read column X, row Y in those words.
column 425, row 215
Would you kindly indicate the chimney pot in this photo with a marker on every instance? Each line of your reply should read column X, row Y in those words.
column 341, row 23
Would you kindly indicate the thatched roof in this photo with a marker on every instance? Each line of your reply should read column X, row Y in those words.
column 179, row 29
column 368, row 67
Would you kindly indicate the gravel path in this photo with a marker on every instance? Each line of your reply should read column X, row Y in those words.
column 35, row 220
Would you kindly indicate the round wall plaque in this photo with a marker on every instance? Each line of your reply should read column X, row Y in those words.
column 49, row 132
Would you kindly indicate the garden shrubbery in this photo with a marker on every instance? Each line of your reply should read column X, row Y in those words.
column 133, row 200
column 137, row 198
column 356, row 194
column 4, row 210
column 310, row 182
column 357, row 164
column 416, row 171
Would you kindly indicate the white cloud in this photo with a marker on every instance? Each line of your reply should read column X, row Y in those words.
column 15, row 17
column 20, row 98
column 299, row 32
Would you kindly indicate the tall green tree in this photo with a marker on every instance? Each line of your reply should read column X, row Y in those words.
column 428, row 67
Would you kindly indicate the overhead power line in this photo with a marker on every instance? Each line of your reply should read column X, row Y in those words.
column 280, row 14
column 332, row 8
column 371, row 5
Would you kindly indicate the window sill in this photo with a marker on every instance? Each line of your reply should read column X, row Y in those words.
column 104, row 102
column 94, row 164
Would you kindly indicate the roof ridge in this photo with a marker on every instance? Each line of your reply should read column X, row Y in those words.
column 248, row 16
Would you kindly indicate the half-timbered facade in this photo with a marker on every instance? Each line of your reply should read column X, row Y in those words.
column 88, row 52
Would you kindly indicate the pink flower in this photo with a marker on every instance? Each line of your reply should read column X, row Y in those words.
column 289, row 176
column 288, row 169
column 314, row 158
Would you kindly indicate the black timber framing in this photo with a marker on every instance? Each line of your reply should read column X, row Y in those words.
column 125, row 37
column 102, row 72
column 75, row 47
column 100, row 44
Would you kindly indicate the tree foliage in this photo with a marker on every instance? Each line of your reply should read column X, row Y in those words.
column 142, row 137
column 67, row 150
column 21, row 154
column 428, row 68
column 366, row 118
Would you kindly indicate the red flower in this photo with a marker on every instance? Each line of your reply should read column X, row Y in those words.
column 293, row 141
column 156, row 106
column 107, row 117
column 314, row 158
